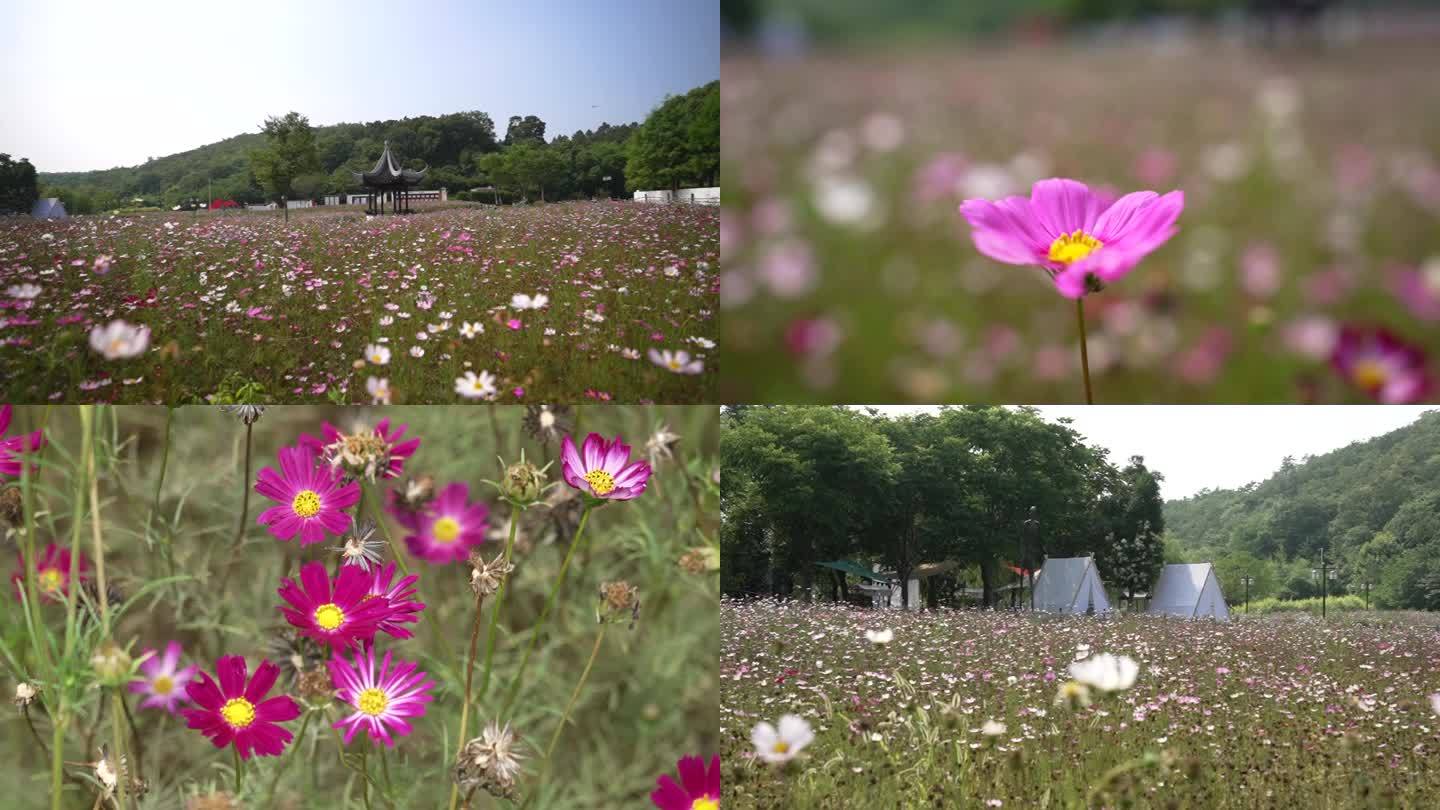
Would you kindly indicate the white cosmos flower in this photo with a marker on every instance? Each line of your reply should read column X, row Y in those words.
column 386, row 320
column 119, row 340
column 417, row 351
column 1435, row 702
column 23, row 291
column 880, row 636
column 630, row 354
column 677, row 361
column 704, row 343
column 992, row 728
column 470, row 330
column 379, row 388
column 377, row 354
column 778, row 747
column 1106, row 672
column 523, row 301
column 471, row 386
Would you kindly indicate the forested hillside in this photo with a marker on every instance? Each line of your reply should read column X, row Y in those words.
column 1373, row 506
column 678, row 144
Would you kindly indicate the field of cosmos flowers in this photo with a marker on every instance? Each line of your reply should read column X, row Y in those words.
column 518, row 304
column 824, row 705
column 1303, row 263
column 325, row 606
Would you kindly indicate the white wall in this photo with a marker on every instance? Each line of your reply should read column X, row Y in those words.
column 699, row 196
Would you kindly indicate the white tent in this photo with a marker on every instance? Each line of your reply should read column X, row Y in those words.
column 1190, row 590
column 1070, row 585
column 48, row 208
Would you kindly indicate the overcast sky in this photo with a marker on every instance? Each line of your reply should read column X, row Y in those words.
column 1220, row 446
column 93, row 85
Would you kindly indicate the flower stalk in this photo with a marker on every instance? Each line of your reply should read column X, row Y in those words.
column 1084, row 354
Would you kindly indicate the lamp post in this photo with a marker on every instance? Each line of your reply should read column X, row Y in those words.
column 1248, row 580
column 1325, row 573
column 1032, row 531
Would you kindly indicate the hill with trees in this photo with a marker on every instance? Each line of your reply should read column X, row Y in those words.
column 1374, row 507
column 678, row 144
column 805, row 485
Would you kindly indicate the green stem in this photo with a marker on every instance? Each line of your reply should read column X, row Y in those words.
column 244, row 512
column 139, row 751
column 385, row 769
column 469, row 675
column 99, row 543
column 1084, row 355
column 169, row 550
column 275, row 780
column 117, row 749
column 373, row 501
column 575, row 695
column 57, row 765
column 365, row 773
column 239, row 770
column 495, row 610
column 514, row 690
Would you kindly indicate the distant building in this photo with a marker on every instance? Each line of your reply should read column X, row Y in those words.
column 49, row 208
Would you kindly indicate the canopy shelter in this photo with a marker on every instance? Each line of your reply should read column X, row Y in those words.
column 388, row 181
column 1070, row 585
column 1190, row 590
column 855, row 568
column 48, row 208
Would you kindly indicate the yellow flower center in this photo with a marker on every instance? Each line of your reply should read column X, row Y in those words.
column 1370, row 374
column 446, row 529
column 238, row 712
column 782, row 747
column 705, row 803
column 673, row 364
column 329, row 616
column 162, row 685
column 306, row 503
column 1072, row 247
column 601, row 483
column 372, row 701
column 50, row 579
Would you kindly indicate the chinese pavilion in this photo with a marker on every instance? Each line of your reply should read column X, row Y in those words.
column 387, row 181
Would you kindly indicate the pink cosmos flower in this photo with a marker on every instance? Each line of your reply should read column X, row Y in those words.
column 339, row 612
column 603, row 469
column 401, row 607
column 52, row 573
column 332, row 444
column 449, row 527
column 311, row 497
column 1380, row 364
column 235, row 711
column 698, row 789
column 12, row 446
column 1065, row 229
column 161, row 681
column 381, row 700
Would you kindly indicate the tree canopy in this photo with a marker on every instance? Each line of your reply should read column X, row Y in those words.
column 18, row 189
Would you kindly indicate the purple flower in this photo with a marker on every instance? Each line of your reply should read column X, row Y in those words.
column 1380, row 364
column 603, row 469
column 381, row 701
column 12, row 446
column 1067, row 230
column 161, row 681
column 450, row 526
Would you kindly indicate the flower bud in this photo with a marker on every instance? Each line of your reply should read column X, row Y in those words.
column 111, row 663
column 524, row 482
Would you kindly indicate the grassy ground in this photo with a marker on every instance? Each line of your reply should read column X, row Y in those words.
column 649, row 698
column 1312, row 188
column 242, row 297
column 1268, row 712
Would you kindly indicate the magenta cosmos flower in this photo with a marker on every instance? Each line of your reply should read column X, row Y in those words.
column 381, row 700
column 401, row 606
column 1381, row 365
column 52, row 573
column 1070, row 232
column 311, row 497
column 236, row 711
column 160, row 680
column 338, row 613
column 12, row 446
column 449, row 527
column 354, row 450
column 698, row 789
column 603, row 469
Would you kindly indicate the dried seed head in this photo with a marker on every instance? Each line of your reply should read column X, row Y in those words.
column 315, row 684
column 661, row 444
column 25, row 693
column 364, row 453
column 12, row 506
column 486, row 577
column 362, row 548
column 700, row 559
column 619, row 601
column 490, row 762
column 547, row 423
column 417, row 492
column 248, row 414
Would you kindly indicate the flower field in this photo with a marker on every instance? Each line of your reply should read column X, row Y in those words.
column 1305, row 265
column 518, row 304
column 997, row 709
column 329, row 607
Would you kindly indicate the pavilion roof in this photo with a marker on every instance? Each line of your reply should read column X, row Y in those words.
column 388, row 172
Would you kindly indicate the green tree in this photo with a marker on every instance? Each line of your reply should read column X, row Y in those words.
column 529, row 129
column 290, row 152
column 18, row 186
